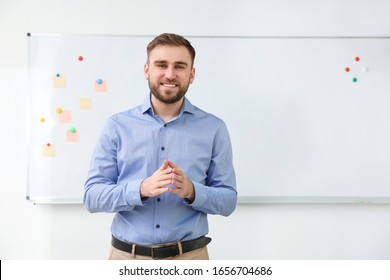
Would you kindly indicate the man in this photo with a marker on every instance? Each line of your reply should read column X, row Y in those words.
column 163, row 166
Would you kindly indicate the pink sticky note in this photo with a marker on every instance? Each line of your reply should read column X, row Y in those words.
column 72, row 136
column 102, row 87
column 48, row 150
column 65, row 116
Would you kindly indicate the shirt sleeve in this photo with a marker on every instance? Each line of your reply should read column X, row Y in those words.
column 102, row 193
column 219, row 195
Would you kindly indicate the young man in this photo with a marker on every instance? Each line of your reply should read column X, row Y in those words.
column 163, row 166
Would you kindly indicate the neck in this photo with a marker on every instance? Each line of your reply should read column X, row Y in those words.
column 166, row 111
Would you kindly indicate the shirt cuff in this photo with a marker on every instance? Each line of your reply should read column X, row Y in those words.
column 133, row 196
column 200, row 195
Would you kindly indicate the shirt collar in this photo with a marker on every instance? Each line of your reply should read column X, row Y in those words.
column 187, row 106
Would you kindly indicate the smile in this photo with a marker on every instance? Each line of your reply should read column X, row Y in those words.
column 168, row 85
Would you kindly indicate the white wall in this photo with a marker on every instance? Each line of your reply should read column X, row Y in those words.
column 278, row 231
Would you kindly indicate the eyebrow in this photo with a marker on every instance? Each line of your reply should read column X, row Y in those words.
column 176, row 62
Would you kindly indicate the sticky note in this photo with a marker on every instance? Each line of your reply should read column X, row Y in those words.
column 65, row 116
column 72, row 135
column 100, row 85
column 48, row 150
column 85, row 103
column 59, row 81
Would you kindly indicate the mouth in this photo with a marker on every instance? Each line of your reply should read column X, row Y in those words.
column 168, row 85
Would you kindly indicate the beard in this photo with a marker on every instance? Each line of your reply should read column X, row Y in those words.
column 168, row 96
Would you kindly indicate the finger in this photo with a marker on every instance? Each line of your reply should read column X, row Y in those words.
column 160, row 191
column 177, row 179
column 178, row 171
column 164, row 165
column 172, row 165
column 163, row 177
column 160, row 172
column 163, row 183
column 175, row 191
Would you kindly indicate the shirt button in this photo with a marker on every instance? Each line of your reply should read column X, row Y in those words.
column 162, row 148
column 157, row 226
column 158, row 199
column 165, row 125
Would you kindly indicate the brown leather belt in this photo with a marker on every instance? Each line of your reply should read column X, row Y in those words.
column 161, row 251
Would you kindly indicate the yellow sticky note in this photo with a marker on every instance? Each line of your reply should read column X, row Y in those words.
column 65, row 116
column 59, row 81
column 48, row 150
column 72, row 136
column 85, row 103
column 101, row 85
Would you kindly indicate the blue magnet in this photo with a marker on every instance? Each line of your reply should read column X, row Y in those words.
column 99, row 81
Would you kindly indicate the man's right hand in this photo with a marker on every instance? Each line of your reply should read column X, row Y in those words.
column 154, row 185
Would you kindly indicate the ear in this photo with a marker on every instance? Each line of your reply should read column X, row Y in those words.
column 192, row 75
column 146, row 71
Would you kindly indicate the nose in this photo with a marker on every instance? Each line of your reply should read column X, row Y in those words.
column 170, row 73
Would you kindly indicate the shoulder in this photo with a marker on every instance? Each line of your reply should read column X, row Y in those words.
column 209, row 118
column 126, row 116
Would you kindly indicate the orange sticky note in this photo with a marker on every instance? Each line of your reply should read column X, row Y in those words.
column 59, row 81
column 85, row 103
column 101, row 86
column 65, row 116
column 48, row 150
column 72, row 136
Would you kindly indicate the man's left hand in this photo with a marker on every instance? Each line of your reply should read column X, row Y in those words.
column 184, row 186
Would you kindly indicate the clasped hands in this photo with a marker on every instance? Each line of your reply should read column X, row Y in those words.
column 168, row 174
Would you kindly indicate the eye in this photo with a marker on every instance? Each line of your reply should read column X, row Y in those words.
column 161, row 65
column 180, row 67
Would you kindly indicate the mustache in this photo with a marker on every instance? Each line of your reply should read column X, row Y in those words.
column 174, row 81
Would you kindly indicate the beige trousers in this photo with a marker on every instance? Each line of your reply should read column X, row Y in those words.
column 198, row 254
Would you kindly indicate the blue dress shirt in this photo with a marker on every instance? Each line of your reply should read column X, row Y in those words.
column 133, row 145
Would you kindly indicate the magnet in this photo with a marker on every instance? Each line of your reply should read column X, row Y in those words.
column 59, row 110
column 354, row 80
column 347, row 69
column 72, row 130
column 99, row 81
column 80, row 58
column 357, row 59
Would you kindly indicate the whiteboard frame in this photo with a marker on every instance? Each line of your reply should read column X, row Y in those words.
column 248, row 200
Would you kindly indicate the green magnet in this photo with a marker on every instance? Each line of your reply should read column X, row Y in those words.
column 72, row 130
column 354, row 80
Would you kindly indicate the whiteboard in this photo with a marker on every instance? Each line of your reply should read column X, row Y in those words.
column 304, row 128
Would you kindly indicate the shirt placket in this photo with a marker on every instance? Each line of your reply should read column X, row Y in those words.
column 159, row 223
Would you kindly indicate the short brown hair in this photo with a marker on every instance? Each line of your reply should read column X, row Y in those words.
column 170, row 39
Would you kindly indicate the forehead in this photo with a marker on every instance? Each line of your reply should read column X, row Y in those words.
column 170, row 54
